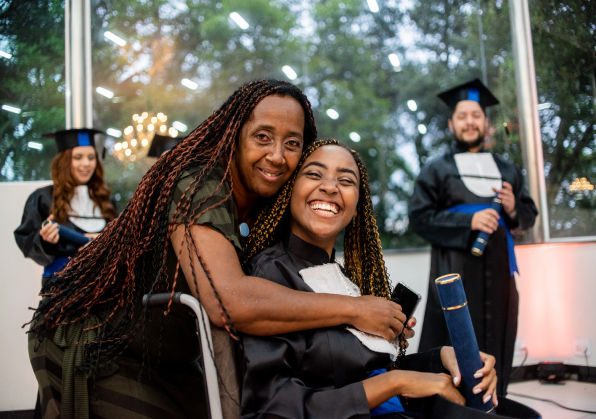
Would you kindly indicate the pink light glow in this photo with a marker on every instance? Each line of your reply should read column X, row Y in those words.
column 554, row 287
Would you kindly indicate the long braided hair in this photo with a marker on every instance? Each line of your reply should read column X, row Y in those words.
column 363, row 254
column 113, row 272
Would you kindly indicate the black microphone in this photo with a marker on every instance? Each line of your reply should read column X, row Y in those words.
column 482, row 238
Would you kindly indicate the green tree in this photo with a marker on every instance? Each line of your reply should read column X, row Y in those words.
column 32, row 80
column 564, row 37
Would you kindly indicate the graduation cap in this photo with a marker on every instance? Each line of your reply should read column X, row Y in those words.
column 161, row 144
column 472, row 90
column 75, row 137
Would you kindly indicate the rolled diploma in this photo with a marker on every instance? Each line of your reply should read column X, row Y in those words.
column 463, row 339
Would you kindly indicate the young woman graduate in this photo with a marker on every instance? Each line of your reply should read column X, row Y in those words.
column 180, row 232
column 334, row 372
column 78, row 198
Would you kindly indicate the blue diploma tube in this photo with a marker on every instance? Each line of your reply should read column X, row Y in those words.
column 482, row 238
column 461, row 332
column 72, row 236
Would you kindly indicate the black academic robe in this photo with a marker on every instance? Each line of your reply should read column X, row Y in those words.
column 37, row 209
column 314, row 373
column 491, row 291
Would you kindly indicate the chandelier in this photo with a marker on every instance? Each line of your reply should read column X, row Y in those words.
column 137, row 137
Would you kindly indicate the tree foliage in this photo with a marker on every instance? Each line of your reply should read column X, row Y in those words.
column 339, row 50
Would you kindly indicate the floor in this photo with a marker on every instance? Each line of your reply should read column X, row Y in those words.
column 572, row 394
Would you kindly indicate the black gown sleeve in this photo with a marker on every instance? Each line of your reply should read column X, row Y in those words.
column 273, row 381
column 526, row 211
column 37, row 209
column 432, row 221
column 428, row 361
column 271, row 385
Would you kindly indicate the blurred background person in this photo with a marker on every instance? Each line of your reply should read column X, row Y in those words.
column 161, row 144
column 451, row 205
column 78, row 198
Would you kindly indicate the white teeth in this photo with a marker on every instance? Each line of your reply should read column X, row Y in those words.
column 269, row 174
column 325, row 206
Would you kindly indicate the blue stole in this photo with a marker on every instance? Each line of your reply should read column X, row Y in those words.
column 57, row 264
column 474, row 208
column 393, row 405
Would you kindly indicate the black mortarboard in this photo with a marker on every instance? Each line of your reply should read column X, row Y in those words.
column 472, row 90
column 160, row 144
column 75, row 137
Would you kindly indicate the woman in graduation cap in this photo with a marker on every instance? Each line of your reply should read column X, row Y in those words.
column 77, row 201
column 335, row 372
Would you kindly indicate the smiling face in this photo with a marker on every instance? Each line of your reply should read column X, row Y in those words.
column 83, row 162
column 468, row 124
column 269, row 147
column 325, row 196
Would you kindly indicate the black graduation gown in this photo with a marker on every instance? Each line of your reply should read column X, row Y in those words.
column 37, row 209
column 314, row 373
column 491, row 291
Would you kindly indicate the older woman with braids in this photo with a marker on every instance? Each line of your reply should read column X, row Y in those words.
column 334, row 372
column 96, row 350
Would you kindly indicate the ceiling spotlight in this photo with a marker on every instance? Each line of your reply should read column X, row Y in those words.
column 113, row 132
column 373, row 5
column 332, row 113
column 105, row 92
column 289, row 72
column 239, row 20
column 354, row 136
column 179, row 126
column 110, row 36
column 12, row 109
column 189, row 84
column 394, row 60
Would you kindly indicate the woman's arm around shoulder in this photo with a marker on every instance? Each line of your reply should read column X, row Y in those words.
column 261, row 307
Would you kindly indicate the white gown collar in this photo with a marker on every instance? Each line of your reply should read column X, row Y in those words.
column 479, row 173
column 83, row 211
column 329, row 278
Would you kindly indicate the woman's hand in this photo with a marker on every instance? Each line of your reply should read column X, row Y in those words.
column 488, row 384
column 91, row 235
column 49, row 231
column 489, row 379
column 415, row 384
column 379, row 316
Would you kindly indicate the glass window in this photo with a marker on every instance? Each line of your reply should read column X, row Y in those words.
column 32, row 87
column 371, row 70
column 563, row 43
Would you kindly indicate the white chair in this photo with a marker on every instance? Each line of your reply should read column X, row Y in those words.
column 204, row 328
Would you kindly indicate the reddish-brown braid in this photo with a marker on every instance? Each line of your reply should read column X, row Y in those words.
column 111, row 274
column 363, row 254
column 64, row 187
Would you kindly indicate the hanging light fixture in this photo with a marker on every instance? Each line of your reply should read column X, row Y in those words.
column 137, row 137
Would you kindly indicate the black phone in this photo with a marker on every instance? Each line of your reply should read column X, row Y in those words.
column 406, row 298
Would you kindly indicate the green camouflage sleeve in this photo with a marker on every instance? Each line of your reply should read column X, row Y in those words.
column 221, row 218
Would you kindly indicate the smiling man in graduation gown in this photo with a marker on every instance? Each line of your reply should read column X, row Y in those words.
column 451, row 205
